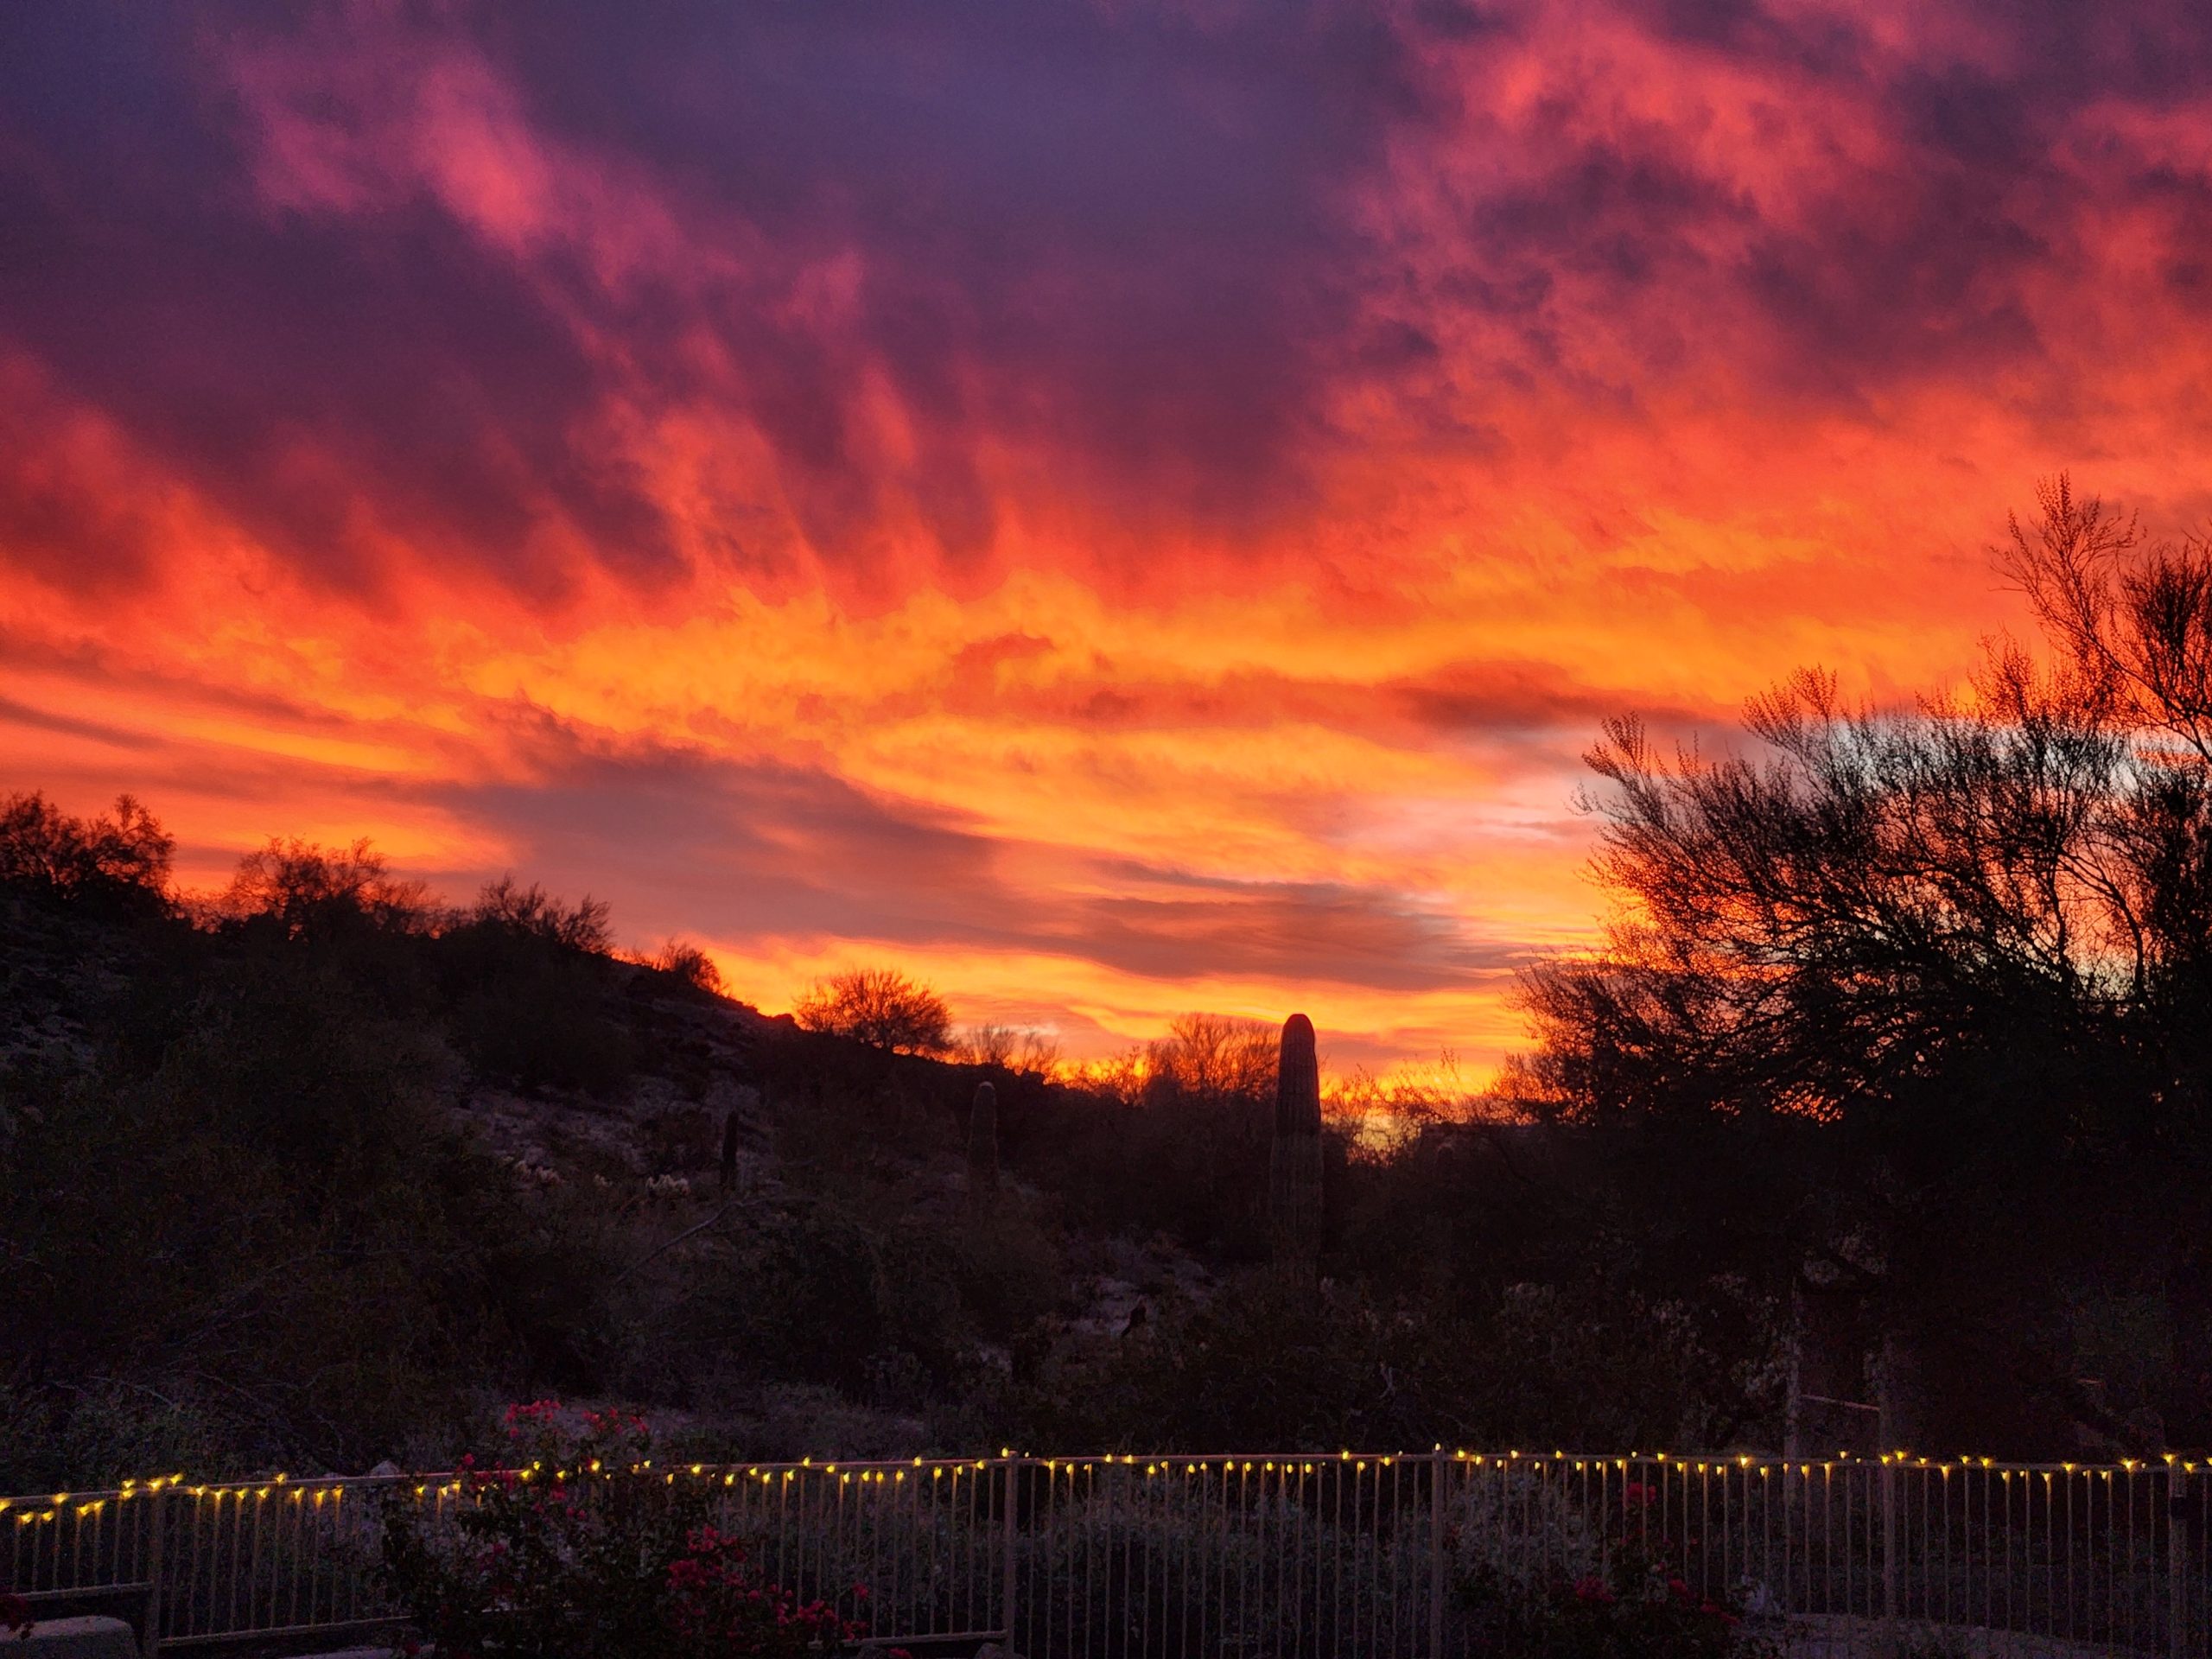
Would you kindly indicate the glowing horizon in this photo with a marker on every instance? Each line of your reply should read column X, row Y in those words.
column 1116, row 511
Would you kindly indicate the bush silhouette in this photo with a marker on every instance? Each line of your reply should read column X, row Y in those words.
column 119, row 862
column 880, row 1007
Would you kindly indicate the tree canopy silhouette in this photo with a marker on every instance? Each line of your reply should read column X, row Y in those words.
column 880, row 1007
column 117, row 860
column 1972, row 938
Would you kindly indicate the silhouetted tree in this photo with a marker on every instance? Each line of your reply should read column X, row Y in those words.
column 121, row 859
column 1969, row 939
column 880, row 1007
column 309, row 891
column 1218, row 1060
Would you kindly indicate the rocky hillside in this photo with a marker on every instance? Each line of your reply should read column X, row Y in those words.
column 638, row 1188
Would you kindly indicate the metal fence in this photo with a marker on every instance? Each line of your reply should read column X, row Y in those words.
column 1288, row 1554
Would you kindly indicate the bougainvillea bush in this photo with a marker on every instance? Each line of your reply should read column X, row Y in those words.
column 575, row 1548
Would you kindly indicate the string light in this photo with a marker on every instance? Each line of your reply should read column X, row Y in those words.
column 281, row 1484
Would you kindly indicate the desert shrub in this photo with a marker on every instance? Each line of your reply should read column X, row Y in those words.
column 1533, row 1574
column 507, row 907
column 287, row 1058
column 528, row 991
column 303, row 891
column 1190, row 1169
column 854, row 1113
column 1007, row 1048
column 691, row 964
column 101, row 1435
column 529, row 1011
column 1174, row 1139
column 1260, row 1363
column 1008, row 1267
column 1187, row 1564
column 812, row 1298
column 680, row 1138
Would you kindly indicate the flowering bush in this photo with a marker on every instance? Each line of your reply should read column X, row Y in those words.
column 1637, row 1612
column 576, row 1548
column 719, row 1604
column 15, row 1616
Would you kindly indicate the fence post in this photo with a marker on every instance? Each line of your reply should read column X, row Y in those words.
column 1889, row 1547
column 1437, row 1559
column 1012, row 1505
column 2177, row 1560
column 157, row 1505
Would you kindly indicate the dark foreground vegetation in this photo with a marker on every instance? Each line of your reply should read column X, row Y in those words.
column 1898, row 1068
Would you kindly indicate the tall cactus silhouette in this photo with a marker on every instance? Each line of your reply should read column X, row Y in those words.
column 1294, row 1162
column 983, row 1145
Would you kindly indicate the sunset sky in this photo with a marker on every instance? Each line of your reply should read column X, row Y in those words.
column 1117, row 509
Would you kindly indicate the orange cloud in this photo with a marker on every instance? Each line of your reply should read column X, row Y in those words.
column 1118, row 511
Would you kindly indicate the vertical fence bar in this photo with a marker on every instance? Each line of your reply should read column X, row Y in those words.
column 2176, row 1562
column 1007, row 1543
column 1436, row 1560
column 150, row 1642
column 1889, row 1550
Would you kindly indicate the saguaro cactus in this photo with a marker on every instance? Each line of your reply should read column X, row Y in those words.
column 1294, row 1162
column 983, row 1145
